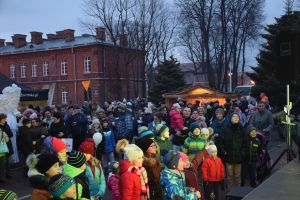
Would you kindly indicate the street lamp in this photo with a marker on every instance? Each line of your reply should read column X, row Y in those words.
column 230, row 80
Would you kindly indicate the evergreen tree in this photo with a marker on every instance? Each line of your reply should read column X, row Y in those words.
column 265, row 73
column 168, row 79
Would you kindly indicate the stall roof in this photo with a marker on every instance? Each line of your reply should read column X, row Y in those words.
column 27, row 94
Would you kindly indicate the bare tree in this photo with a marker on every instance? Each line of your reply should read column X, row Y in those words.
column 216, row 35
column 145, row 22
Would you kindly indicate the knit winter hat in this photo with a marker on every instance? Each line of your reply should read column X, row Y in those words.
column 114, row 166
column 160, row 129
column 76, row 158
column 132, row 152
column 144, row 143
column 8, row 195
column 147, row 134
column 97, row 137
column 193, row 126
column 205, row 131
column 96, row 121
column 88, row 146
column 142, row 129
column 183, row 156
column 171, row 159
column 250, row 128
column 220, row 110
column 176, row 105
column 58, row 144
column 211, row 148
column 45, row 162
column 59, row 184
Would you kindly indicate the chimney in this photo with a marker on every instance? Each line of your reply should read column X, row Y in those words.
column 100, row 33
column 123, row 40
column 51, row 36
column 36, row 37
column 69, row 35
column 60, row 34
column 2, row 42
column 19, row 40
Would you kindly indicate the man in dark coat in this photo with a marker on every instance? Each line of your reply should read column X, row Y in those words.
column 230, row 144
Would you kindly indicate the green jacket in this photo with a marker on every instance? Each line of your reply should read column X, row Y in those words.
column 76, row 174
column 164, row 145
column 192, row 145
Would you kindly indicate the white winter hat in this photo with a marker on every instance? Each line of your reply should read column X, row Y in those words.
column 95, row 121
column 176, row 105
column 205, row 131
column 211, row 148
column 132, row 152
column 97, row 137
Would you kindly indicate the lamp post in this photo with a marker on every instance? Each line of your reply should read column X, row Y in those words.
column 230, row 81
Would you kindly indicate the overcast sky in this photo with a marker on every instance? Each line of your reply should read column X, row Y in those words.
column 48, row 16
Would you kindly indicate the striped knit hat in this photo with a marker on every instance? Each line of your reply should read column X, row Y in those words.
column 8, row 195
column 76, row 158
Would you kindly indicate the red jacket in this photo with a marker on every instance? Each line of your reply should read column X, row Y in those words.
column 176, row 119
column 212, row 170
column 130, row 183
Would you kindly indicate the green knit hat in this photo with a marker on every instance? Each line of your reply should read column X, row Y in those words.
column 8, row 195
column 160, row 129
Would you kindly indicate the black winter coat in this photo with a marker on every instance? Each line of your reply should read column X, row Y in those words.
column 230, row 143
column 251, row 151
column 56, row 128
column 25, row 139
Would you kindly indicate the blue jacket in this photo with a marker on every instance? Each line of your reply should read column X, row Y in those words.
column 109, row 142
column 97, row 184
column 174, row 185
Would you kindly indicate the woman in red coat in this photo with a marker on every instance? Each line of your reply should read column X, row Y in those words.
column 133, row 177
column 212, row 173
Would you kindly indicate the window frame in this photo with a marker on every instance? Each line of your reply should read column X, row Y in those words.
column 12, row 71
column 45, row 68
column 64, row 67
column 34, row 70
column 23, row 71
column 87, row 65
column 64, row 96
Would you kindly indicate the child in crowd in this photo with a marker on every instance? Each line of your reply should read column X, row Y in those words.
column 93, row 172
column 212, row 173
column 75, row 168
column 173, row 180
column 133, row 177
column 251, row 153
column 113, row 181
column 190, row 173
column 95, row 127
column 41, row 168
column 62, row 187
column 162, row 139
column 205, row 133
column 194, row 143
column 109, row 145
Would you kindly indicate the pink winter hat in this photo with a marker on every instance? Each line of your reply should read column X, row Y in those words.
column 58, row 144
column 183, row 156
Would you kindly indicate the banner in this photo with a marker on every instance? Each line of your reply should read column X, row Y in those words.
column 86, row 84
column 69, row 143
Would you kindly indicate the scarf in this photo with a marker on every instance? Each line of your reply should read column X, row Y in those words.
column 141, row 172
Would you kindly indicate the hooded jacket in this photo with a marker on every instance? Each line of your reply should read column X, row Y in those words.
column 130, row 183
column 212, row 170
column 79, row 176
column 174, row 186
column 113, row 186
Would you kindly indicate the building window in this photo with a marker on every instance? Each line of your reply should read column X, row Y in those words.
column 33, row 70
column 12, row 71
column 87, row 65
column 64, row 96
column 23, row 71
column 45, row 68
column 63, row 66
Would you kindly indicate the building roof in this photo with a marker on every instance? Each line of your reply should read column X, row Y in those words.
column 55, row 44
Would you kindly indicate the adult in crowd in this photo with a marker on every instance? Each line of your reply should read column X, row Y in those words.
column 78, row 127
column 48, row 118
column 230, row 144
column 262, row 119
column 220, row 121
column 123, row 123
column 58, row 127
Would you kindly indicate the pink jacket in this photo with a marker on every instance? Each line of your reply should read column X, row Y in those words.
column 176, row 119
column 113, row 186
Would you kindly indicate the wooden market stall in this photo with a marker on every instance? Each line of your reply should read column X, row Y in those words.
column 197, row 92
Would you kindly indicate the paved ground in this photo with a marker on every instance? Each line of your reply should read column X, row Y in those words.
column 20, row 185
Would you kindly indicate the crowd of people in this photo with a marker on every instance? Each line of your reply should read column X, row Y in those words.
column 138, row 151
